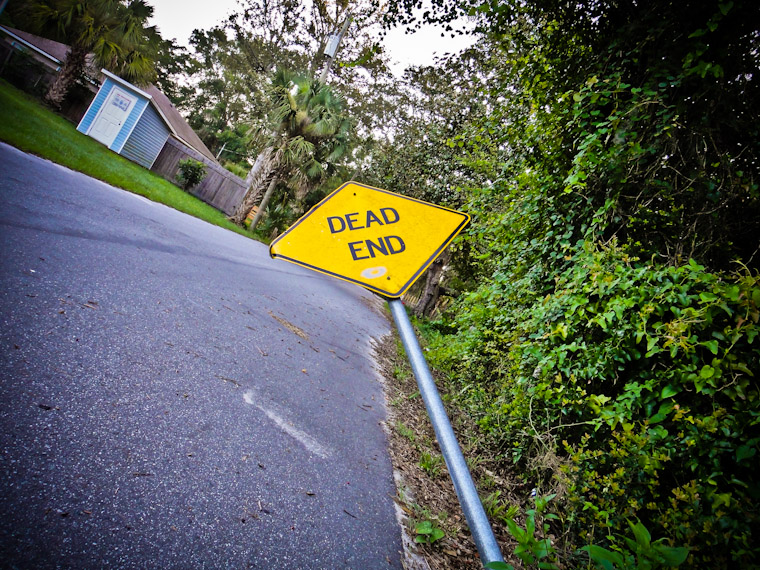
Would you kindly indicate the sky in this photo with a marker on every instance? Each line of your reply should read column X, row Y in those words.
column 178, row 18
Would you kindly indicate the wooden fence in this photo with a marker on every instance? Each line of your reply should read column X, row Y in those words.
column 219, row 188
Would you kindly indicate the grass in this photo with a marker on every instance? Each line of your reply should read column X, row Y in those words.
column 405, row 431
column 29, row 126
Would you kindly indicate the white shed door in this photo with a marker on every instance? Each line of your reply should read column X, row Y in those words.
column 112, row 115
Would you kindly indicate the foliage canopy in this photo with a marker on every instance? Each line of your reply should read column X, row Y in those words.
column 605, row 337
column 115, row 32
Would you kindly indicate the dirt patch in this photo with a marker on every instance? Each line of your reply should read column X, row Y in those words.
column 290, row 326
column 377, row 304
column 424, row 489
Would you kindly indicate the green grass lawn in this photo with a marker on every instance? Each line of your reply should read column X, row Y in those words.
column 27, row 125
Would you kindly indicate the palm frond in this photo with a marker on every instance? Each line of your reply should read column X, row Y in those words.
column 338, row 152
column 296, row 150
column 314, row 169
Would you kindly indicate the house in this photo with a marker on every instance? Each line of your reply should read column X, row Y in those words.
column 48, row 53
column 140, row 124
column 31, row 63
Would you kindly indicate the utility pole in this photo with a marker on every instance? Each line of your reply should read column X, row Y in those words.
column 333, row 46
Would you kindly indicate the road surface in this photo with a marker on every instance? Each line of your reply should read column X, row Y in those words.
column 173, row 398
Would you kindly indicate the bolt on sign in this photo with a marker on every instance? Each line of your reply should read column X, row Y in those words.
column 375, row 238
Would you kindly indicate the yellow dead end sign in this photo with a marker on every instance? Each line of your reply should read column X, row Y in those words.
column 378, row 239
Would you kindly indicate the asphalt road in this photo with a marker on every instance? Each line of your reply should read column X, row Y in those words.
column 170, row 397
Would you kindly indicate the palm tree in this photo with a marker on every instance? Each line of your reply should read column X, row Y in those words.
column 133, row 45
column 311, row 133
column 114, row 32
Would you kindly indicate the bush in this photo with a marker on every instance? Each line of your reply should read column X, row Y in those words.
column 239, row 170
column 191, row 173
column 640, row 379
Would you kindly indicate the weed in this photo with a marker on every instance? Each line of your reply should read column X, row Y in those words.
column 496, row 509
column 531, row 548
column 427, row 533
column 400, row 373
column 431, row 463
column 644, row 554
column 486, row 482
column 406, row 432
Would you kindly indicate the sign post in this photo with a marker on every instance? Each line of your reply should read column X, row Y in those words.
column 476, row 516
column 384, row 241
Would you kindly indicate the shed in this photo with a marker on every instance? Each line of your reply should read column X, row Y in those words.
column 136, row 123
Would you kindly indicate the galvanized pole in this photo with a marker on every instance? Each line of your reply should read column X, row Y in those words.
column 460, row 474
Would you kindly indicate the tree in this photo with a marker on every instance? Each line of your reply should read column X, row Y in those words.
column 114, row 32
column 223, row 93
column 234, row 64
column 233, row 146
column 657, row 93
column 172, row 66
column 311, row 133
column 425, row 160
column 232, row 67
column 616, row 236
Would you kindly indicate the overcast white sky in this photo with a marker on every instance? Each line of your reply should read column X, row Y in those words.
column 178, row 18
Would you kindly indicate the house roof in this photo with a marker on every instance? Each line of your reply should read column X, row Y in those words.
column 53, row 50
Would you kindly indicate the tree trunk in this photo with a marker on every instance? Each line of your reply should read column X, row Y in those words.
column 261, row 171
column 72, row 69
column 264, row 202
column 432, row 290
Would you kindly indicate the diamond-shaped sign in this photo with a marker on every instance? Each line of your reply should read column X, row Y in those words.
column 378, row 239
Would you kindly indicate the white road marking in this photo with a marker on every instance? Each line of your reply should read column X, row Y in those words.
column 304, row 438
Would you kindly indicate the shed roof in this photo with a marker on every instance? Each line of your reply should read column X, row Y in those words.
column 177, row 122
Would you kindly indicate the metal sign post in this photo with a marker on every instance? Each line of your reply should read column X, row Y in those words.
column 476, row 516
column 384, row 241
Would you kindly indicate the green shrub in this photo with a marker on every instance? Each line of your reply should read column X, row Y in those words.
column 191, row 173
column 238, row 170
column 640, row 379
